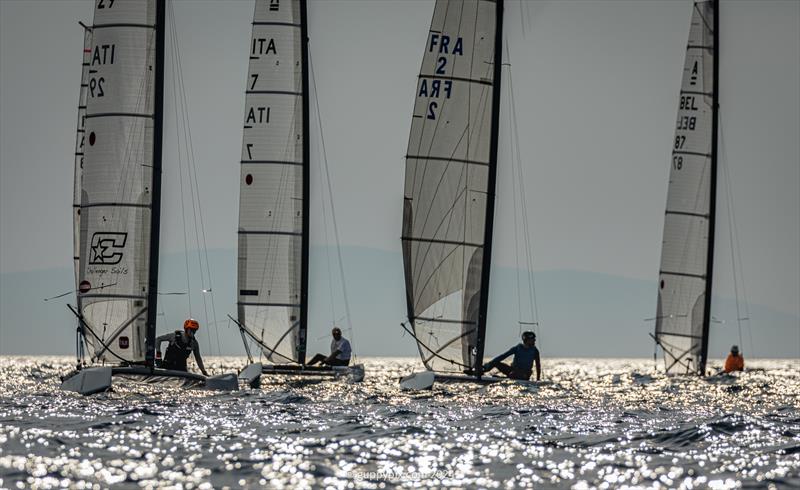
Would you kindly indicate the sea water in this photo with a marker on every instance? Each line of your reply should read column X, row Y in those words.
column 605, row 423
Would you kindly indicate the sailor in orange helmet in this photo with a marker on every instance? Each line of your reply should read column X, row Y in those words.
column 181, row 346
column 735, row 361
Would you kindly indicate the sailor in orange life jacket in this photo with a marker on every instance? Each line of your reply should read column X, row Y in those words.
column 181, row 346
column 735, row 361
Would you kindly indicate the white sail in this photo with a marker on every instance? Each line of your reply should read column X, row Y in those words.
column 271, row 197
column 447, row 182
column 117, row 179
column 685, row 249
column 80, row 142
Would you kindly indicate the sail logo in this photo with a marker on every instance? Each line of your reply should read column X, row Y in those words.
column 107, row 248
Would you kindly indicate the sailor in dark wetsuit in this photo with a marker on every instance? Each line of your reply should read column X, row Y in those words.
column 181, row 346
column 525, row 354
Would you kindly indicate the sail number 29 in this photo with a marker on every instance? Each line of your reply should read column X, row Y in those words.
column 96, row 87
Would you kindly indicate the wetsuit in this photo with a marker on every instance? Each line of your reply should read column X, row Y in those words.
column 180, row 347
column 522, row 365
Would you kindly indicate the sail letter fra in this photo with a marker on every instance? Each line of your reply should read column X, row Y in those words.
column 443, row 42
column 433, row 89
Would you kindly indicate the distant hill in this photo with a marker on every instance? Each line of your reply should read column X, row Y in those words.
column 582, row 314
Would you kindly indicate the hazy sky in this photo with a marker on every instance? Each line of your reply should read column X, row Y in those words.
column 596, row 86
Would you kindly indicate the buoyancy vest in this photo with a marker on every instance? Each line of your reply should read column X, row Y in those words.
column 178, row 352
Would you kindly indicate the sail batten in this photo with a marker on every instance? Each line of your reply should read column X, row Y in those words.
column 449, row 166
column 683, row 311
column 273, row 228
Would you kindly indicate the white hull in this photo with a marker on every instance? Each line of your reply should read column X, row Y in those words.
column 93, row 380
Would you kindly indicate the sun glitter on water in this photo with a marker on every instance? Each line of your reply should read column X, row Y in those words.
column 601, row 423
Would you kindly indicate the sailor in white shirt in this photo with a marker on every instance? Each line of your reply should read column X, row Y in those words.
column 340, row 351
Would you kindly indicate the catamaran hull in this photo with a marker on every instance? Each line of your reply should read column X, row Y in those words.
column 253, row 373
column 89, row 381
column 418, row 381
column 425, row 380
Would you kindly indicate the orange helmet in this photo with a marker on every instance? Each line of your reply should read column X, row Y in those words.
column 191, row 324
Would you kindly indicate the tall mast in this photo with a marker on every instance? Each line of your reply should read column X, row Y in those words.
column 155, row 205
column 712, row 196
column 490, row 194
column 301, row 358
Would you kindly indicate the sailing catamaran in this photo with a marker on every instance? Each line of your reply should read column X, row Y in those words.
column 273, row 258
column 118, row 199
column 687, row 257
column 448, row 208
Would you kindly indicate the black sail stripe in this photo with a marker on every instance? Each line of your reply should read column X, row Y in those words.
column 443, row 320
column 686, row 213
column 114, row 205
column 682, row 274
column 272, row 162
column 273, row 92
column 447, row 159
column 112, row 296
column 479, row 81
column 120, row 114
column 445, row 242
column 253, row 303
column 288, row 24
column 693, row 153
column 122, row 24
column 269, row 232
column 671, row 334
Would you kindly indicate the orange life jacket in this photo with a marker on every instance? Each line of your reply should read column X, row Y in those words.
column 734, row 363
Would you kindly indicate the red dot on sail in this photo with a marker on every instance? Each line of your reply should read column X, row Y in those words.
column 249, row 179
column 84, row 287
column 91, row 138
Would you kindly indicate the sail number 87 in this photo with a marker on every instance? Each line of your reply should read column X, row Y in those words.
column 677, row 162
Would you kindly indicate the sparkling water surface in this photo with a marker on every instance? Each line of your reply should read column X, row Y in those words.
column 606, row 423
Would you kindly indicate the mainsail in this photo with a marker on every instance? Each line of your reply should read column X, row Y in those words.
column 449, row 184
column 273, row 199
column 683, row 314
column 119, row 187
column 80, row 142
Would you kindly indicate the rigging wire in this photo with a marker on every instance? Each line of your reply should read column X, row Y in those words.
column 333, row 209
column 518, row 180
column 173, row 66
column 199, row 224
column 736, row 249
column 516, row 218
column 327, row 252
